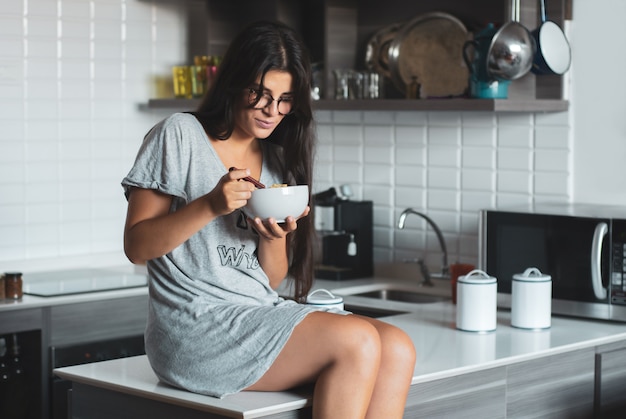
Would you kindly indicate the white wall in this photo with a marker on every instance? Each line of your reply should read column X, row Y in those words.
column 599, row 101
column 73, row 72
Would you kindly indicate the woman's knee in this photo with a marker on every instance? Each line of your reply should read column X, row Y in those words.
column 359, row 342
column 397, row 346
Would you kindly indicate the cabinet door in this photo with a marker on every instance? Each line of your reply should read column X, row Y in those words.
column 474, row 395
column 557, row 386
column 98, row 320
column 610, row 390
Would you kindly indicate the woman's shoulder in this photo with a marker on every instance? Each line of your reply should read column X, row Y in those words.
column 179, row 119
column 174, row 126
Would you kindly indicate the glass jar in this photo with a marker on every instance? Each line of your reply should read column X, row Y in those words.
column 13, row 285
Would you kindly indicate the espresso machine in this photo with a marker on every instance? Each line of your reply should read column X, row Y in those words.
column 345, row 236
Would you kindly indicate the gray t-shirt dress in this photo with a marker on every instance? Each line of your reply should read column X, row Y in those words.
column 214, row 325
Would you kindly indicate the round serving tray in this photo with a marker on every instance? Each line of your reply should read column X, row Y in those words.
column 428, row 49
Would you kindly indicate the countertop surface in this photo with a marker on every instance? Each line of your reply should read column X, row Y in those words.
column 118, row 275
column 442, row 350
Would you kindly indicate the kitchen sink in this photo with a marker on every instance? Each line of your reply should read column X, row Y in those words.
column 392, row 292
column 403, row 296
column 372, row 311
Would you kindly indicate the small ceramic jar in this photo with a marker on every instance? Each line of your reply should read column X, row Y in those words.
column 324, row 298
column 477, row 300
column 531, row 300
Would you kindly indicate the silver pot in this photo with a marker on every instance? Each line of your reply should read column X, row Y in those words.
column 511, row 53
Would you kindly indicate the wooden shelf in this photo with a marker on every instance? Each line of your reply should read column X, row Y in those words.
column 424, row 105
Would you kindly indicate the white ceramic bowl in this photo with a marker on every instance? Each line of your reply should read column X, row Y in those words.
column 277, row 203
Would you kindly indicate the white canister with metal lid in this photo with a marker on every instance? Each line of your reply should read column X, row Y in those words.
column 324, row 298
column 531, row 300
column 477, row 301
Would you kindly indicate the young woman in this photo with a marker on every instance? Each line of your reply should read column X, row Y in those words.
column 216, row 324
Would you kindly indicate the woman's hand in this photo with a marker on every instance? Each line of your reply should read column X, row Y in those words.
column 230, row 194
column 273, row 252
column 271, row 230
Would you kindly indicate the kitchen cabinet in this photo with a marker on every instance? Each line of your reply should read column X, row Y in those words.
column 42, row 324
column 610, row 380
column 29, row 327
column 557, row 386
column 480, row 394
column 337, row 33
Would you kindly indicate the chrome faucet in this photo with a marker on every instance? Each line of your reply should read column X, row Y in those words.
column 444, row 264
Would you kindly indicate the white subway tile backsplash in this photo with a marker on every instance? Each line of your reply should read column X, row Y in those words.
column 75, row 31
column 474, row 201
column 42, row 47
column 378, row 135
column 438, row 135
column 349, row 154
column 482, row 120
column 415, row 156
column 478, row 158
column 377, row 174
column 411, row 136
column 44, row 8
column 478, row 136
column 13, row 194
column 411, row 118
column 513, row 136
column 443, row 178
column 442, row 199
column 552, row 160
column 11, row 27
column 477, row 180
column 43, row 26
column 11, row 47
column 410, row 176
column 75, row 9
column 348, row 172
column 347, row 134
column 380, row 195
column 515, row 159
column 378, row 117
column 515, row 119
column 515, row 182
column 553, row 184
column 376, row 154
column 507, row 200
column 405, row 196
column 552, row 137
column 443, row 155
column 347, row 117
column 440, row 119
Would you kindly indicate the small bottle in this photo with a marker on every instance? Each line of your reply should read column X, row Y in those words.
column 2, row 288
column 13, row 285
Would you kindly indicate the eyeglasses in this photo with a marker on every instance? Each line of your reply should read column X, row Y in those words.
column 260, row 100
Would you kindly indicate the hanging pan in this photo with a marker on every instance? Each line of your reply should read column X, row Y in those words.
column 553, row 54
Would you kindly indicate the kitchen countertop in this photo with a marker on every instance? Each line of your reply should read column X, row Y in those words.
column 442, row 351
column 33, row 301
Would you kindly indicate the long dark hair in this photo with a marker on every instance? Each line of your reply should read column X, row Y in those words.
column 259, row 48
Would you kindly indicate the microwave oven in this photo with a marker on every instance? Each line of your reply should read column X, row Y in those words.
column 581, row 246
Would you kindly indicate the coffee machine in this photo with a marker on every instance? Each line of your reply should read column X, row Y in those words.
column 345, row 237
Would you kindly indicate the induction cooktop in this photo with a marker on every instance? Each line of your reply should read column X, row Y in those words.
column 80, row 281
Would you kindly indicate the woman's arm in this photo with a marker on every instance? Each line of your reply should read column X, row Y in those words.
column 152, row 231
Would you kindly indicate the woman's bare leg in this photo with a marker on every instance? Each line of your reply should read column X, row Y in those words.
column 344, row 355
column 395, row 373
